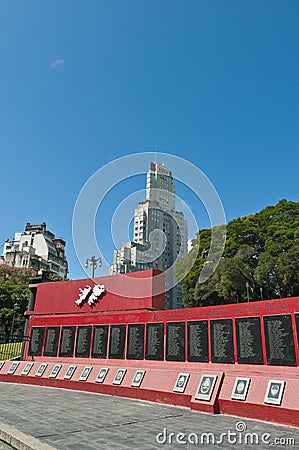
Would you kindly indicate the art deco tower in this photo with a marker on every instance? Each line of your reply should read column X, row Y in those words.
column 160, row 233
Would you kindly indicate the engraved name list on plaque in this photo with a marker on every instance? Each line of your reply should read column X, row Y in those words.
column 198, row 341
column 117, row 341
column 175, row 341
column 83, row 342
column 135, row 344
column 155, row 341
column 36, row 341
column 279, row 340
column 99, row 341
column 249, row 340
column 222, row 341
column 51, row 343
column 67, row 341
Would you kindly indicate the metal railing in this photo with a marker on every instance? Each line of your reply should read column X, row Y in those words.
column 11, row 348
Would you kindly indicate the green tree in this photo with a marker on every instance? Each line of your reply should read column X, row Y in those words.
column 261, row 249
column 14, row 289
column 230, row 280
column 288, row 269
column 267, row 276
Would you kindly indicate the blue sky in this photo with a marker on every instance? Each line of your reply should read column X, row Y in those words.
column 84, row 83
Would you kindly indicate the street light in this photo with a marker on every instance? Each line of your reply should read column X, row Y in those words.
column 247, row 291
column 261, row 292
column 15, row 308
column 93, row 263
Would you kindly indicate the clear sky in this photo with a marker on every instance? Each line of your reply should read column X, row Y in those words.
column 85, row 82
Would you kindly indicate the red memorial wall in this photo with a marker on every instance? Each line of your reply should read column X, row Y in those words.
column 237, row 359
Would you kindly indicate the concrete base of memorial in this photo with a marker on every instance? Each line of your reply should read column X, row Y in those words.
column 262, row 402
column 174, row 384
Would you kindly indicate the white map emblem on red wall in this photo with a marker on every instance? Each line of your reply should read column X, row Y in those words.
column 91, row 295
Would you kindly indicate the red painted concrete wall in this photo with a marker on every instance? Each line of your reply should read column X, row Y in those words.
column 55, row 306
column 136, row 290
column 49, row 296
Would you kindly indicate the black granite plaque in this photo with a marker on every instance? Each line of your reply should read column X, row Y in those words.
column 117, row 341
column 99, row 341
column 198, row 341
column 249, row 340
column 222, row 341
column 36, row 341
column 206, row 387
column 175, row 341
column 155, row 341
column 135, row 342
column 51, row 343
column 274, row 392
column 83, row 342
column 279, row 340
column 70, row 372
column 297, row 326
column 67, row 341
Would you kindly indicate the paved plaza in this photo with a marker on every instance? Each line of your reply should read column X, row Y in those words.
column 4, row 446
column 82, row 421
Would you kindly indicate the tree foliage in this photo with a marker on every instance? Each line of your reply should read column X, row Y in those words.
column 260, row 259
column 14, row 293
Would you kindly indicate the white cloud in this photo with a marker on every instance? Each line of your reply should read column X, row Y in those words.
column 57, row 63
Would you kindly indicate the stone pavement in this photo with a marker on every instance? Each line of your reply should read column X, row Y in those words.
column 82, row 421
column 4, row 446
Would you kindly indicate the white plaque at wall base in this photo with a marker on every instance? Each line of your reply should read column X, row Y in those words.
column 85, row 373
column 27, row 368
column 55, row 371
column 274, row 392
column 102, row 375
column 240, row 388
column 41, row 370
column 13, row 368
column 206, row 387
column 181, row 382
column 138, row 377
column 119, row 376
column 70, row 372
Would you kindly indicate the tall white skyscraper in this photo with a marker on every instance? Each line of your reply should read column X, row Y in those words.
column 160, row 234
column 160, row 187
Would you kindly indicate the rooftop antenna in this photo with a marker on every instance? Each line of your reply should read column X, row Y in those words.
column 155, row 153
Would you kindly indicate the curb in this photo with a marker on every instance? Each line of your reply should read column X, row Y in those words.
column 19, row 440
